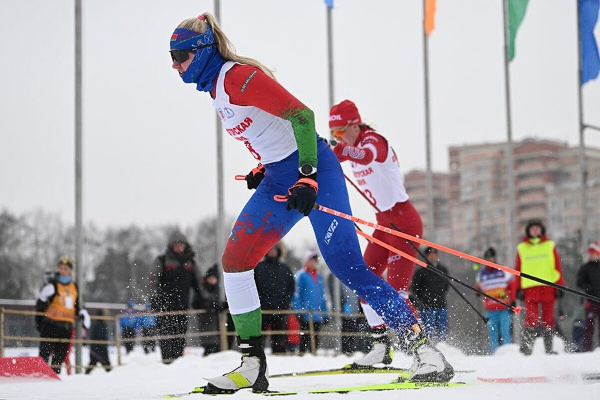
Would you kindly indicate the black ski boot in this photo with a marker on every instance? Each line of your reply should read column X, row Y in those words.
column 381, row 352
column 252, row 372
column 527, row 338
column 548, row 339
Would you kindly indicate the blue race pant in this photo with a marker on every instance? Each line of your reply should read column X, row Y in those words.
column 435, row 321
column 263, row 222
column 498, row 327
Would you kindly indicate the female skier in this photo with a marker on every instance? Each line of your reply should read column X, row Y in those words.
column 375, row 168
column 279, row 132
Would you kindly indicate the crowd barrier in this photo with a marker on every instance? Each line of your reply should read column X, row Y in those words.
column 223, row 333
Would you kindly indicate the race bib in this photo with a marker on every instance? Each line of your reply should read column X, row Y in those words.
column 69, row 302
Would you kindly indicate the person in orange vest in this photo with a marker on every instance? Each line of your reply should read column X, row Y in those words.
column 537, row 256
column 59, row 301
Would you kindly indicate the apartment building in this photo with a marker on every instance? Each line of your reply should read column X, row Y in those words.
column 471, row 201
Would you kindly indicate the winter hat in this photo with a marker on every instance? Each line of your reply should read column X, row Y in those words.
column 534, row 222
column 178, row 237
column 594, row 248
column 68, row 261
column 490, row 253
column 343, row 114
column 309, row 255
column 429, row 250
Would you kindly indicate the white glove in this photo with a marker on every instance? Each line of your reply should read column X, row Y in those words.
column 87, row 321
column 47, row 292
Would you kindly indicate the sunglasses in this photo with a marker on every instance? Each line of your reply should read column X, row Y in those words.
column 340, row 132
column 181, row 56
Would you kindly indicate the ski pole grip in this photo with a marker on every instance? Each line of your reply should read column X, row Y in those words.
column 240, row 177
column 280, row 197
column 517, row 309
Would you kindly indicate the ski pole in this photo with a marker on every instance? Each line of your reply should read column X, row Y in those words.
column 432, row 268
column 444, row 248
column 515, row 309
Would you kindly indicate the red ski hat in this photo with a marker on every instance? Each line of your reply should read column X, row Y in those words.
column 343, row 114
column 594, row 248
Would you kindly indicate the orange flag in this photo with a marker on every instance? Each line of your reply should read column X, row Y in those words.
column 429, row 16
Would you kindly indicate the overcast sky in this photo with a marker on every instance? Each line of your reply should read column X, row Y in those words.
column 149, row 138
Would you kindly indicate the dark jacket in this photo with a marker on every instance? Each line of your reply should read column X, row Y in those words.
column 588, row 278
column 176, row 275
column 429, row 288
column 99, row 331
column 275, row 284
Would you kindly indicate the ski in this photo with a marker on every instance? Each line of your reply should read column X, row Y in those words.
column 350, row 369
column 389, row 386
column 365, row 388
column 347, row 369
column 594, row 376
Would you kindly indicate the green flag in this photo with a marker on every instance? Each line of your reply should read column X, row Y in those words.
column 516, row 13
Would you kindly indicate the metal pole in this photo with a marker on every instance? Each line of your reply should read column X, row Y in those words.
column 337, row 290
column 220, row 231
column 586, row 126
column 430, row 226
column 510, row 179
column 582, row 164
column 1, row 332
column 78, row 177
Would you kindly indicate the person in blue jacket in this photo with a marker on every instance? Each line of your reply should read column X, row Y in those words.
column 129, row 324
column 310, row 295
column 148, row 327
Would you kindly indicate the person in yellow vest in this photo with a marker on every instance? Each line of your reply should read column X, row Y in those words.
column 59, row 301
column 537, row 256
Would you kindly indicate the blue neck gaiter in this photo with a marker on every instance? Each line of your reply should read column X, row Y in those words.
column 64, row 279
column 206, row 63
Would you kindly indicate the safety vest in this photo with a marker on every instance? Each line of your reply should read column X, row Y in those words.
column 62, row 306
column 538, row 260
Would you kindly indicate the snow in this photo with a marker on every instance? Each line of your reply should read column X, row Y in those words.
column 145, row 377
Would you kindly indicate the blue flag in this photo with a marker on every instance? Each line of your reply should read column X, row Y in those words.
column 329, row 3
column 590, row 60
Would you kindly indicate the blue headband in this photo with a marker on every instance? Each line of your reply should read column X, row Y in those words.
column 206, row 63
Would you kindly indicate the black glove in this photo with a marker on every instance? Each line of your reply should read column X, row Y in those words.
column 303, row 194
column 255, row 176
column 520, row 295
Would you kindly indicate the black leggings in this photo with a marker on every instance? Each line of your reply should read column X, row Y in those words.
column 55, row 330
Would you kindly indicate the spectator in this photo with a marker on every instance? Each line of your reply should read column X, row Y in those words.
column 588, row 279
column 99, row 351
column 148, row 326
column 578, row 327
column 176, row 275
column 276, row 286
column 430, row 291
column 59, row 301
column 310, row 296
column 211, row 302
column 129, row 324
column 537, row 256
column 499, row 285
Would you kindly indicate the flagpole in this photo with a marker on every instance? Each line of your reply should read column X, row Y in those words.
column 430, row 228
column 220, row 229
column 581, row 126
column 78, row 179
column 510, row 180
column 337, row 290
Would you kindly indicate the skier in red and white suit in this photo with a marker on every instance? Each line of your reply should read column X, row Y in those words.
column 376, row 171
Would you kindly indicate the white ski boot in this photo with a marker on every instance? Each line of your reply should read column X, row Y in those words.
column 381, row 352
column 429, row 364
column 252, row 373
